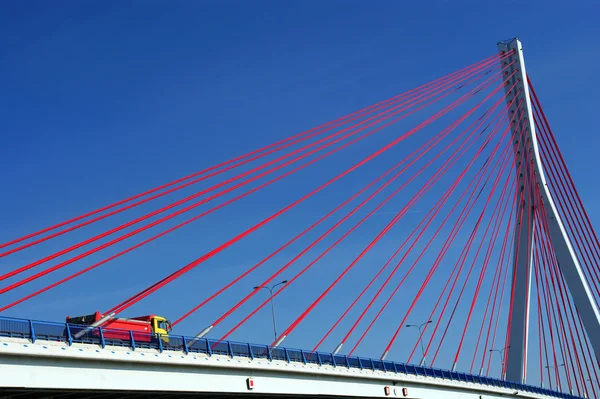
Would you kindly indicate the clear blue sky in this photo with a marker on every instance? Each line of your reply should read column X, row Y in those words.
column 104, row 99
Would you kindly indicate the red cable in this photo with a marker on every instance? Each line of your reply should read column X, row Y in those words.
column 541, row 327
column 371, row 303
column 477, row 125
column 590, row 354
column 418, row 294
column 445, row 247
column 549, row 314
column 456, row 269
column 470, row 68
column 539, row 241
column 574, row 231
column 306, row 268
column 516, row 262
column 500, row 301
column 391, row 296
column 540, row 341
column 559, row 319
column 402, row 212
column 230, row 180
column 272, row 277
column 24, row 281
column 491, row 246
column 60, row 265
column 555, row 277
column 536, row 205
column 390, row 225
column 61, row 232
column 495, row 283
column 501, row 258
column 432, row 142
column 463, row 257
column 190, row 266
column 530, row 221
column 489, row 306
column 519, row 217
column 573, row 189
column 453, row 234
column 568, row 215
column 578, row 328
column 468, row 247
column 502, row 284
column 167, row 231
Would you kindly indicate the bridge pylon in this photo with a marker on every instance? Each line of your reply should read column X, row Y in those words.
column 528, row 168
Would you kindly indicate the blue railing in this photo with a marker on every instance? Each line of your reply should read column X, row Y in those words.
column 68, row 333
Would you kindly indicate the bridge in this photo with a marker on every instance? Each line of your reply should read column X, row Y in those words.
column 501, row 265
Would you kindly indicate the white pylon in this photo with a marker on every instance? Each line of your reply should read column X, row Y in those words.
column 528, row 164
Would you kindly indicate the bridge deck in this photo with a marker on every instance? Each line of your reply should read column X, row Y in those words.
column 62, row 336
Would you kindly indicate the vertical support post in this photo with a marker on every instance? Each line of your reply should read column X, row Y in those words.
column 187, row 350
column 69, row 336
column 208, row 348
column 32, row 331
column 287, row 355
column 132, row 340
column 250, row 351
column 102, row 341
column 516, row 358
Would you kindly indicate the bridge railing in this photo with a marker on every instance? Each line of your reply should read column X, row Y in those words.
column 61, row 332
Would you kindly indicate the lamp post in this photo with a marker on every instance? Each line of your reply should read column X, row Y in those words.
column 556, row 368
column 592, row 380
column 271, row 289
column 501, row 352
column 553, row 368
column 420, row 326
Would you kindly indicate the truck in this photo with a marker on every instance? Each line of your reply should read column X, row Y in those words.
column 143, row 328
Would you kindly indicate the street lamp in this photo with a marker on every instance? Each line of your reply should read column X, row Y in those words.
column 553, row 368
column 501, row 352
column 420, row 326
column 271, row 289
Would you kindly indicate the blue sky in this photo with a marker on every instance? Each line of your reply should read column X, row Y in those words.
column 102, row 100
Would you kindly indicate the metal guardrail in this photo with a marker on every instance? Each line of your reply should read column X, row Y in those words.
column 63, row 332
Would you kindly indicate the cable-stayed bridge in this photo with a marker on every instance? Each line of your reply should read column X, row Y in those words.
column 458, row 185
